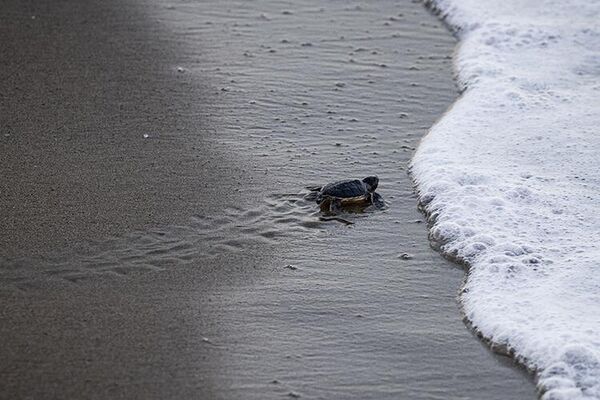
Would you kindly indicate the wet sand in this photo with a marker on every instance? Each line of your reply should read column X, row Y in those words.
column 81, row 84
column 156, row 267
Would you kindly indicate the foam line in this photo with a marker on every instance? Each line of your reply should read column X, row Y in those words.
column 510, row 178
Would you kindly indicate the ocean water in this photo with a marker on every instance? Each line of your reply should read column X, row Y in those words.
column 510, row 180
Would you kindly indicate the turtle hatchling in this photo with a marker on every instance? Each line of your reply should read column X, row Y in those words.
column 350, row 193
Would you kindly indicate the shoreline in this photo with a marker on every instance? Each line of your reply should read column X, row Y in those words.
column 489, row 187
column 200, row 302
column 502, row 350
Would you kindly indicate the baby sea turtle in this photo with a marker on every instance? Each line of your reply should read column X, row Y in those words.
column 351, row 193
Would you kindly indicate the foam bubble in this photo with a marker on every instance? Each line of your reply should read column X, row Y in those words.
column 511, row 181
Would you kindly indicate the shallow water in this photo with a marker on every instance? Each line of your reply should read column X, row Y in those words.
column 304, row 95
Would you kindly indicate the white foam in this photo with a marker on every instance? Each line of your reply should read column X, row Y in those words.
column 511, row 177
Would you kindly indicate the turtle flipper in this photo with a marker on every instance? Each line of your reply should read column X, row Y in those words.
column 324, row 203
column 335, row 205
column 338, row 219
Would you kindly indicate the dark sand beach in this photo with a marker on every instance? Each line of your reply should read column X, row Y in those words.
column 156, row 238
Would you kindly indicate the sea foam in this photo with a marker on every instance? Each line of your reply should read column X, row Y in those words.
column 510, row 178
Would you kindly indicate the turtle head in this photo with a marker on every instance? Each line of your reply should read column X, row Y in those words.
column 372, row 182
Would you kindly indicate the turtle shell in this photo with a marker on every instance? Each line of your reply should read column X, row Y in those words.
column 344, row 189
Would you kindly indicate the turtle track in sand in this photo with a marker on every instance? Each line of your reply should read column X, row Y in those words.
column 236, row 230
